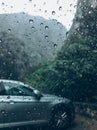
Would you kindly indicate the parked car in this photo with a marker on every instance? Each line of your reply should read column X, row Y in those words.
column 21, row 104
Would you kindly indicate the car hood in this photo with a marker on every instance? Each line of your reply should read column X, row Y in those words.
column 53, row 98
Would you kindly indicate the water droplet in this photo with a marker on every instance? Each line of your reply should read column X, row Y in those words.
column 33, row 27
column 92, row 6
column 3, row 3
column 11, row 6
column 30, row 0
column 90, row 12
column 34, row 5
column 45, row 11
column 9, row 52
column 58, row 23
column 46, row 37
column 8, row 97
column 39, row 9
column 70, row 5
column 46, row 27
column 55, row 45
column 75, row 6
column 0, row 40
column 53, row 12
column 44, row 3
column 9, row 30
column 67, row 33
column 31, row 21
column 28, row 112
column 60, row 8
column 41, row 23
column 3, row 111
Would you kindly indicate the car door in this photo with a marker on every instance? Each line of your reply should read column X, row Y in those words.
column 24, row 109
column 3, row 113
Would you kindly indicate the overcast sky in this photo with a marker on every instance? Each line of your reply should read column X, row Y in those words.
column 62, row 10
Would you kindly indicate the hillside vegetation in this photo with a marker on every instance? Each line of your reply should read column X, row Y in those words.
column 73, row 73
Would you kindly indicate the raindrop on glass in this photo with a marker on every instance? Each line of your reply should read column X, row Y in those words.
column 70, row 5
column 53, row 12
column 75, row 6
column 45, row 11
column 8, row 97
column 55, row 45
column 0, row 40
column 60, row 8
column 30, row 21
column 41, row 23
column 46, row 37
column 3, row 3
column 58, row 23
column 92, row 6
column 46, row 27
column 67, row 33
column 9, row 30
column 3, row 112
column 90, row 12
column 33, row 27
column 11, row 6
column 44, row 3
column 34, row 5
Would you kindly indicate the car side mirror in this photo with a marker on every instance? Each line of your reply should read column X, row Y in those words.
column 38, row 95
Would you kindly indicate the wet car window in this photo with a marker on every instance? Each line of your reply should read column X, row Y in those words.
column 48, row 50
column 2, row 89
column 17, row 90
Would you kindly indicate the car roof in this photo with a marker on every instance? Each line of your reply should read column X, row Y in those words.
column 16, row 82
column 11, row 81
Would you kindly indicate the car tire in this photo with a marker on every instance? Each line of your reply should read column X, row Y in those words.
column 60, row 118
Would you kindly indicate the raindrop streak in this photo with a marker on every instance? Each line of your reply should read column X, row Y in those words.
column 31, row 21
column 53, row 12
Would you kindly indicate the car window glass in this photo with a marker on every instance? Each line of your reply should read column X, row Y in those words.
column 2, row 89
column 27, row 91
column 15, row 92
column 18, row 90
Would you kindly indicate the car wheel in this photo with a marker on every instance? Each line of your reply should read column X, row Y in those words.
column 60, row 118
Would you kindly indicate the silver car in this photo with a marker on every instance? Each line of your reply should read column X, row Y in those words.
column 21, row 105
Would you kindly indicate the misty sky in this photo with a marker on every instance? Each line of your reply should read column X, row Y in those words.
column 62, row 10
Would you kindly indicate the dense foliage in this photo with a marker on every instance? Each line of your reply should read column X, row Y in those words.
column 73, row 74
column 13, row 59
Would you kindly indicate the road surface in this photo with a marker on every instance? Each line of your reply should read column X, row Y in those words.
column 81, row 123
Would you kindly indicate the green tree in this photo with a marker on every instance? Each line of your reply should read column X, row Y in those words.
column 73, row 74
